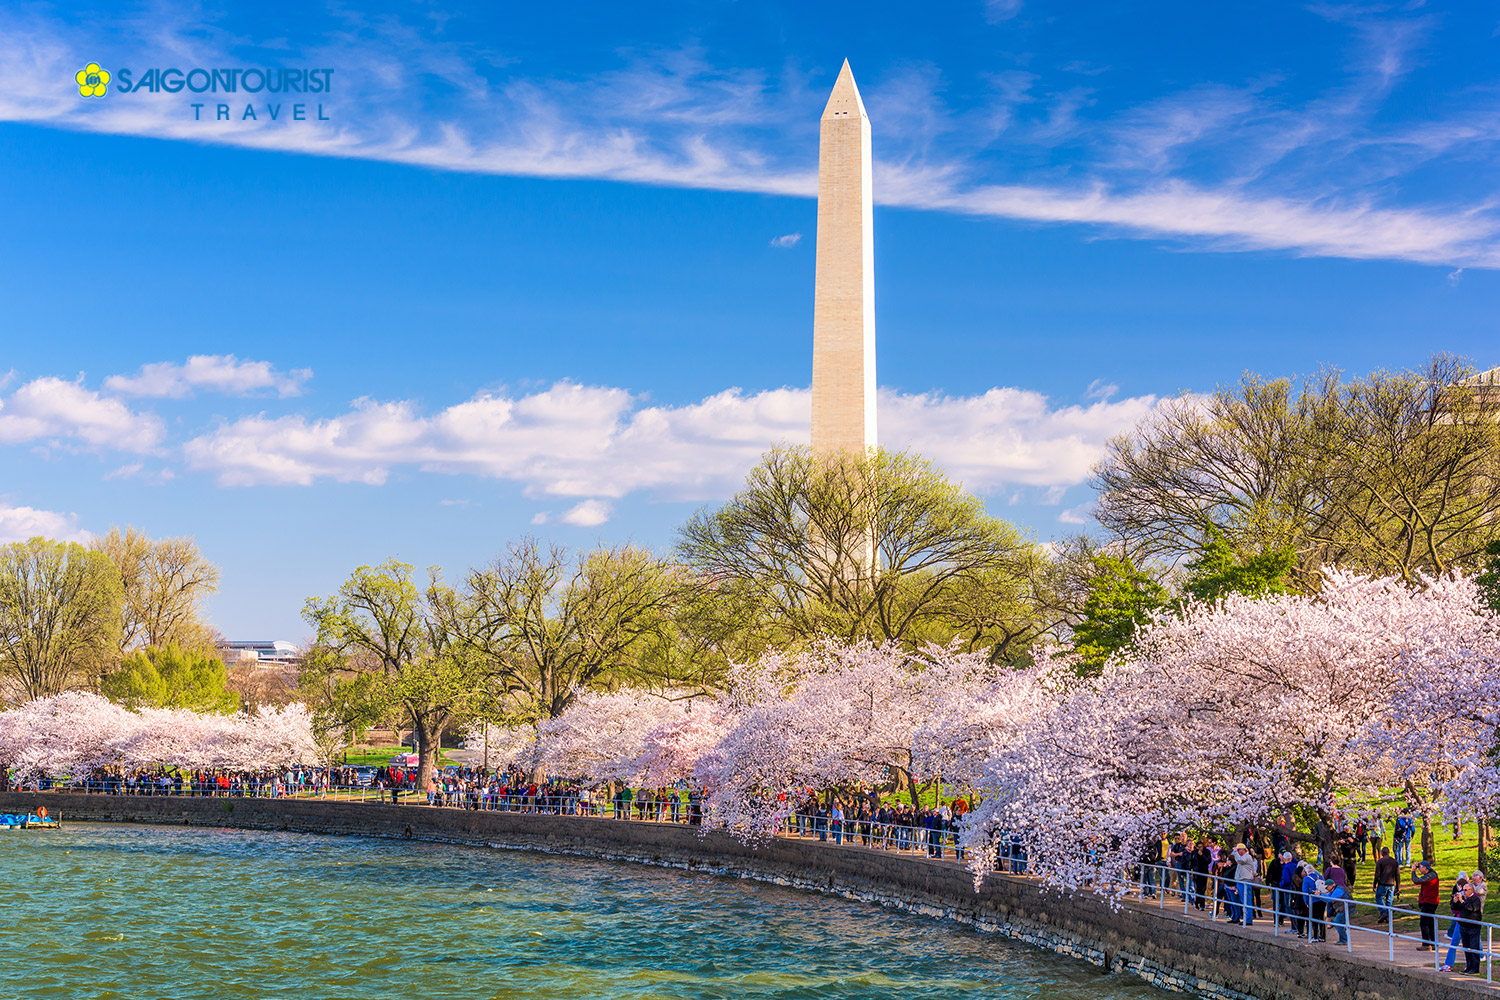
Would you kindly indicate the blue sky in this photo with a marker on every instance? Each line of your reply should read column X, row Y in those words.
column 550, row 270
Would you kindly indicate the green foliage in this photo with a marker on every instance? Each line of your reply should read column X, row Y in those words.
column 59, row 614
column 1391, row 474
column 171, row 677
column 1218, row 571
column 549, row 624
column 879, row 546
column 1121, row 597
column 387, row 651
column 165, row 583
column 1489, row 580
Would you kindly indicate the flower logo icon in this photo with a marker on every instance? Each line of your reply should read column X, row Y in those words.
column 92, row 81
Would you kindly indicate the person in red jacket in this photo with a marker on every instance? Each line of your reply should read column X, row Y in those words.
column 1427, row 901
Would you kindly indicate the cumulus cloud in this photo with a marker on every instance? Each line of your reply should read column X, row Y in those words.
column 789, row 240
column 588, row 513
column 602, row 442
column 221, row 373
column 20, row 523
column 50, row 408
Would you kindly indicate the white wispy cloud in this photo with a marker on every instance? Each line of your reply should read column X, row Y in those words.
column 603, row 442
column 1309, row 176
column 996, row 11
column 1082, row 514
column 220, row 373
column 789, row 240
column 51, row 409
column 1101, row 389
column 20, row 523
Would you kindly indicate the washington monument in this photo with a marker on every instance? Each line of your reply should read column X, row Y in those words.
column 843, row 381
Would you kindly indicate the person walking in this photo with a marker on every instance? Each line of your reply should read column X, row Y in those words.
column 1201, row 862
column 1179, row 855
column 1272, row 866
column 1423, row 875
column 1406, row 828
column 1387, row 881
column 1290, row 890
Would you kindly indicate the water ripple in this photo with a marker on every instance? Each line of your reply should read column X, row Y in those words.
column 104, row 911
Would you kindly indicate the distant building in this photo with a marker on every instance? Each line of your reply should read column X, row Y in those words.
column 264, row 653
column 1486, row 388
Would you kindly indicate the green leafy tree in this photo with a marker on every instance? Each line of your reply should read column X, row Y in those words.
column 1396, row 473
column 548, row 625
column 878, row 546
column 165, row 582
column 1121, row 597
column 1218, row 571
column 387, row 651
column 1489, row 579
column 59, row 615
column 171, row 677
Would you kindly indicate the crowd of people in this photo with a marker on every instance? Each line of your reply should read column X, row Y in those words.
column 1310, row 896
column 265, row 783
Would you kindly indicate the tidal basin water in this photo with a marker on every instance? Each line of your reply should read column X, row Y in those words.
column 103, row 911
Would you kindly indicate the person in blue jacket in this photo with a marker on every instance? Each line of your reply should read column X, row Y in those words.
column 1287, row 906
column 1336, row 896
column 1317, row 930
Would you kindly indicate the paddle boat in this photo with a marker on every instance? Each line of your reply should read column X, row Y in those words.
column 38, row 820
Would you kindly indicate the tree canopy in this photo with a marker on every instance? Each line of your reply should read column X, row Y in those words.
column 164, row 582
column 880, row 546
column 59, row 615
column 171, row 676
column 1397, row 473
column 386, row 650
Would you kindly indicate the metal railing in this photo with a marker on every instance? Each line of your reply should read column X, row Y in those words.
column 1303, row 912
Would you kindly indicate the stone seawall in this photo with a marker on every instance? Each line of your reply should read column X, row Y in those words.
column 1162, row 947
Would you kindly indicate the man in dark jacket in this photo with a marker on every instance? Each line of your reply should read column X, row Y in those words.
column 1273, row 881
column 1470, row 914
column 1387, row 881
column 1290, row 891
column 1348, row 854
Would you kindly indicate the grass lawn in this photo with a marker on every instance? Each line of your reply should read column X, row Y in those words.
column 381, row 756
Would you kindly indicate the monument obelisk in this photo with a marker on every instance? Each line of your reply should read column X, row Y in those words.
column 843, row 381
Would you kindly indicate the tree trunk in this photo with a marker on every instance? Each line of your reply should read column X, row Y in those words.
column 1429, row 848
column 427, row 737
column 1486, row 860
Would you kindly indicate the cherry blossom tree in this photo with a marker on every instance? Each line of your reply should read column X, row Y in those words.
column 600, row 736
column 686, row 748
column 845, row 720
column 76, row 734
column 1240, row 710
